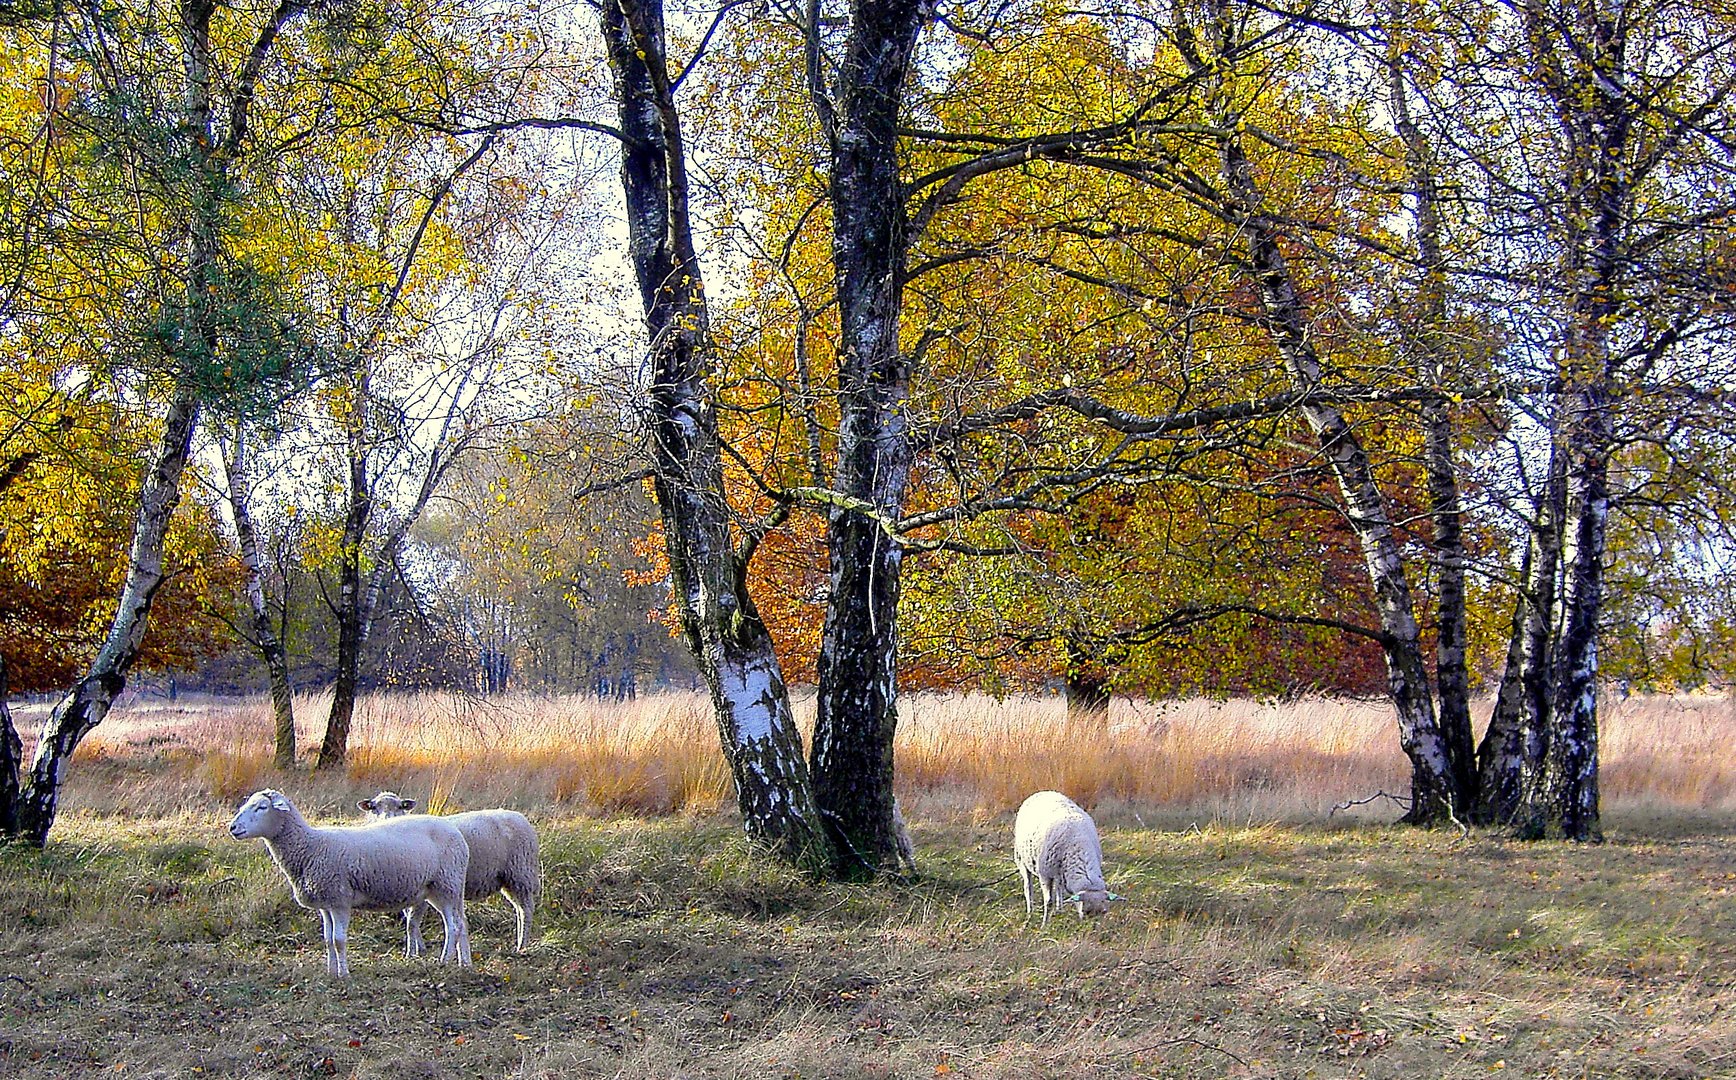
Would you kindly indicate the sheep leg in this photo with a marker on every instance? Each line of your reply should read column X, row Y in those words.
column 325, row 929
column 413, row 931
column 523, row 906
column 1044, row 882
column 1025, row 880
column 340, row 931
column 457, row 928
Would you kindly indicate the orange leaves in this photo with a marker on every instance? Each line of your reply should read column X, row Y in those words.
column 66, row 519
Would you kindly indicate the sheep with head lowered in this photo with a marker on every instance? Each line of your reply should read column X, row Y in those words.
column 1055, row 842
column 503, row 859
column 382, row 866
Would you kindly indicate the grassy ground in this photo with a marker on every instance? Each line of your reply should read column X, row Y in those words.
column 1265, row 937
column 160, row 947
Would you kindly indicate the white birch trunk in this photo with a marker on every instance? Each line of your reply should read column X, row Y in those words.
column 1437, row 790
column 93, row 695
column 729, row 641
column 265, row 636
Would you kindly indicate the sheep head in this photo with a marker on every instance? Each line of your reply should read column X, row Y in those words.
column 386, row 804
column 1091, row 901
column 260, row 815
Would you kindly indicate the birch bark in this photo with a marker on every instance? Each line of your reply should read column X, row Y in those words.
column 723, row 629
column 1431, row 346
column 1438, row 791
column 90, row 699
column 265, row 636
column 1573, row 52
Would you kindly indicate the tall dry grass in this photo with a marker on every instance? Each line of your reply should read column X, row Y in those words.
column 958, row 754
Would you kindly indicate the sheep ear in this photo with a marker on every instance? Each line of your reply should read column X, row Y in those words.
column 366, row 806
column 1074, row 899
column 408, row 804
column 278, row 802
column 1116, row 896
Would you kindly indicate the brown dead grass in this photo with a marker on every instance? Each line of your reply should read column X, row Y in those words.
column 958, row 755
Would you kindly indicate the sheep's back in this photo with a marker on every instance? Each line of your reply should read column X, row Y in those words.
column 1054, row 838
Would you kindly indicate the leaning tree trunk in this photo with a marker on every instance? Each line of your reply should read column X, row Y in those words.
column 90, row 699
column 265, row 636
column 219, row 131
column 1439, row 783
column 730, row 643
column 857, row 667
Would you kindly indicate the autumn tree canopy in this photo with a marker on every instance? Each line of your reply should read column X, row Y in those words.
column 1165, row 348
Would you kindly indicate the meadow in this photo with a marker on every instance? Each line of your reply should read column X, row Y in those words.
column 1267, row 934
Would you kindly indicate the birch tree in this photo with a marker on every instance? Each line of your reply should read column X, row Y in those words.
column 264, row 629
column 708, row 551
column 180, row 135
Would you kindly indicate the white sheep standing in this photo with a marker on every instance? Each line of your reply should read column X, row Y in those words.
column 1055, row 841
column 503, row 859
column 381, row 866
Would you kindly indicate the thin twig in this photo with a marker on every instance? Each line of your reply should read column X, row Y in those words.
column 1348, row 803
column 1149, row 1047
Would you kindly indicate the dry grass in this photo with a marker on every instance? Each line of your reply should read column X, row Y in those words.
column 160, row 948
column 958, row 755
column 146, row 943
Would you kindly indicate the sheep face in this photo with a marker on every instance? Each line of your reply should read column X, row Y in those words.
column 1090, row 901
column 386, row 804
column 259, row 816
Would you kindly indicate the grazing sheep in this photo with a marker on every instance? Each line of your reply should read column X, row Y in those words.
column 503, row 859
column 1055, row 841
column 379, row 866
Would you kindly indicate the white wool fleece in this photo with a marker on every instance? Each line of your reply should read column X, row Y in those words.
column 1055, row 842
column 504, row 858
column 380, row 866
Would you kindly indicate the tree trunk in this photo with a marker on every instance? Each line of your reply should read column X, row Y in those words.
column 335, row 747
column 1439, row 785
column 1086, row 685
column 857, row 668
column 1432, row 348
column 90, row 699
column 1568, row 797
column 1511, row 758
column 265, row 637
column 729, row 641
column 1574, row 51
column 11, row 761
column 1500, row 757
